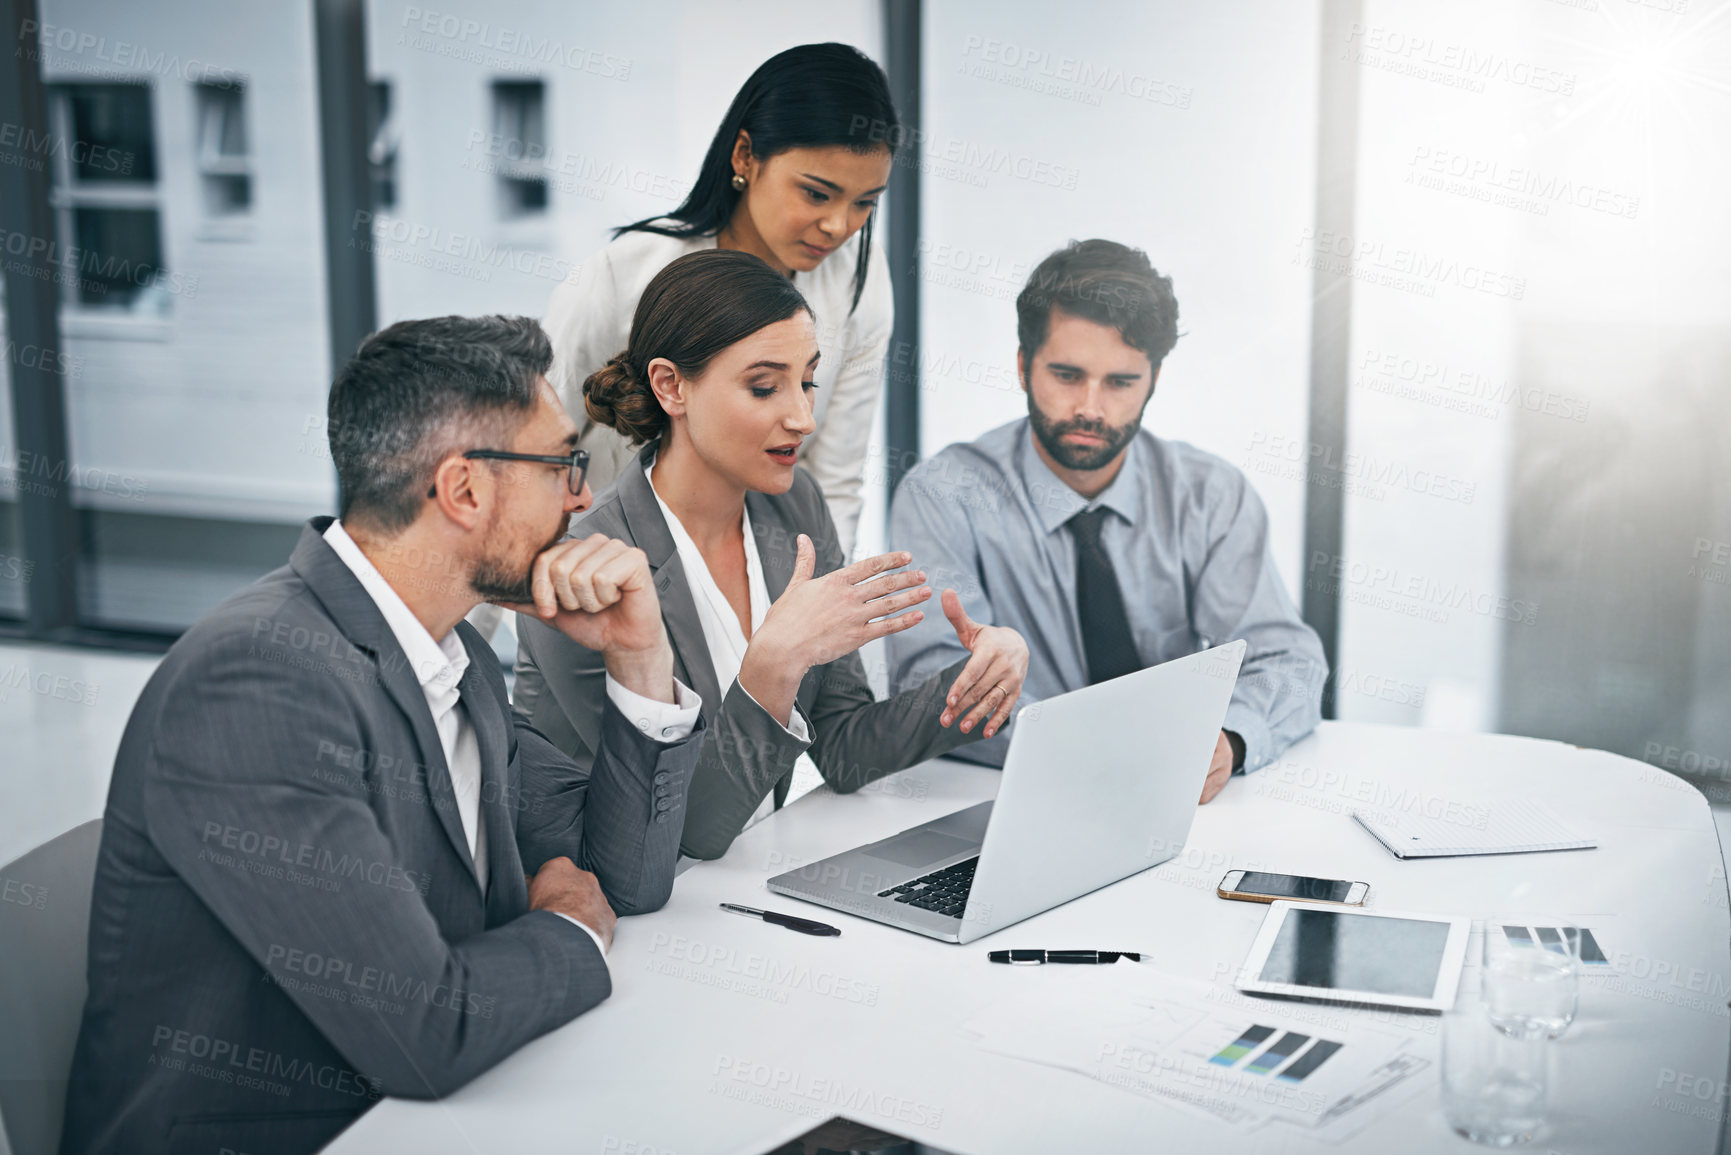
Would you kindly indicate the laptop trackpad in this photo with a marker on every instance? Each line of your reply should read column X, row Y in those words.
column 920, row 848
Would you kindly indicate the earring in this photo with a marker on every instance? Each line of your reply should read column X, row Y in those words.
column 739, row 182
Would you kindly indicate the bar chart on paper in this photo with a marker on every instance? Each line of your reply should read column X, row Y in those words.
column 1309, row 1061
column 1270, row 1058
column 1550, row 938
column 1252, row 1038
column 1214, row 1052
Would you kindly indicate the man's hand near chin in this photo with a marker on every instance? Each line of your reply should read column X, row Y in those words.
column 1227, row 754
column 599, row 593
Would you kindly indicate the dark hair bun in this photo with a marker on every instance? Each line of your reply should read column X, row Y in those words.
column 695, row 307
column 618, row 398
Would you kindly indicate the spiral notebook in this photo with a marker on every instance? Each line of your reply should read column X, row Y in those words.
column 1516, row 826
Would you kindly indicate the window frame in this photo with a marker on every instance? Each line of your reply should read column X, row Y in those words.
column 514, row 173
column 208, row 97
column 67, row 195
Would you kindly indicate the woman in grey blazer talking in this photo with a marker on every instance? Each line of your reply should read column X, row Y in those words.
column 764, row 617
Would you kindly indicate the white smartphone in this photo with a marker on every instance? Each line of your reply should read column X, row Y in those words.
column 1259, row 886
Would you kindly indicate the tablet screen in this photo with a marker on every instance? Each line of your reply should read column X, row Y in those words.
column 1346, row 951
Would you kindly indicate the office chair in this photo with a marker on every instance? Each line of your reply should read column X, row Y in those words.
column 44, row 930
column 1724, row 1112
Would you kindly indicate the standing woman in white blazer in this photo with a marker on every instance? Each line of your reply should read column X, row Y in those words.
column 793, row 176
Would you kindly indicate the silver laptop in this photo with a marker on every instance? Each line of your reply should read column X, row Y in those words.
column 1099, row 784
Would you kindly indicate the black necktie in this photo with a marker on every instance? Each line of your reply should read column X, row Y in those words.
column 1106, row 636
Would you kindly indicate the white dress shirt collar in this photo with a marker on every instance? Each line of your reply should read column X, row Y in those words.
column 437, row 665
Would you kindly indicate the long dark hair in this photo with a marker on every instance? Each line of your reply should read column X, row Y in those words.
column 812, row 96
column 691, row 310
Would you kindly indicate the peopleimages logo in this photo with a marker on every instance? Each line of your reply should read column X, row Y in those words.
column 1513, row 186
column 987, row 159
column 39, row 473
column 1067, row 77
column 88, row 157
column 779, row 1082
column 1435, row 382
column 453, row 252
column 359, row 982
column 231, row 1062
column 63, row 687
column 482, row 42
column 97, row 54
column 72, row 263
column 1400, row 266
column 268, row 851
column 1454, row 65
column 1390, row 587
column 1363, row 473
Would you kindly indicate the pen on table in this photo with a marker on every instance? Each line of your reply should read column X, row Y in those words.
column 1040, row 957
column 802, row 925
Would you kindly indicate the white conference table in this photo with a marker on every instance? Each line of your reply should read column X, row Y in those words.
column 705, row 1004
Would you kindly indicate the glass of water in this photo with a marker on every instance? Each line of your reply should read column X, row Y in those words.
column 1494, row 1085
column 1532, row 978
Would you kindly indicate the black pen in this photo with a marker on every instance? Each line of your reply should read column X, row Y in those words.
column 1040, row 957
column 802, row 925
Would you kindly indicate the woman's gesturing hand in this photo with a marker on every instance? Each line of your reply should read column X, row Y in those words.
column 988, row 686
column 817, row 620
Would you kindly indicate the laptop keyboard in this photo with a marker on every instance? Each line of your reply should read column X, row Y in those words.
column 943, row 891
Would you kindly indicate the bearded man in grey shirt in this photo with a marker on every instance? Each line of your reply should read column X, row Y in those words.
column 1107, row 548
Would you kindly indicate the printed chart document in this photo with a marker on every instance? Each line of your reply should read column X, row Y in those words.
column 1548, row 937
column 1602, row 947
column 1204, row 1048
column 1515, row 826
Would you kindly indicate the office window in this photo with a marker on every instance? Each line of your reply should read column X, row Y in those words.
column 519, row 121
column 224, row 159
column 106, row 198
column 383, row 137
column 130, row 244
column 111, row 125
column 15, row 570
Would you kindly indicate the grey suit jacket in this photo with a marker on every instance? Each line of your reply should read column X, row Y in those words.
column 855, row 738
column 287, row 923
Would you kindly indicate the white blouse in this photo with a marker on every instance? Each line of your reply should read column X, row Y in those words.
column 589, row 320
column 727, row 642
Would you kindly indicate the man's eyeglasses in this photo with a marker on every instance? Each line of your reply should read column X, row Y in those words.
column 577, row 463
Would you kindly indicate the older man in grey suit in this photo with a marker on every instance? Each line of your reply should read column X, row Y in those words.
column 312, row 886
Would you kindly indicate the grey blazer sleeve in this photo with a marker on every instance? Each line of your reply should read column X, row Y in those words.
column 746, row 751
column 231, row 748
column 560, row 696
column 856, row 739
column 618, row 815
